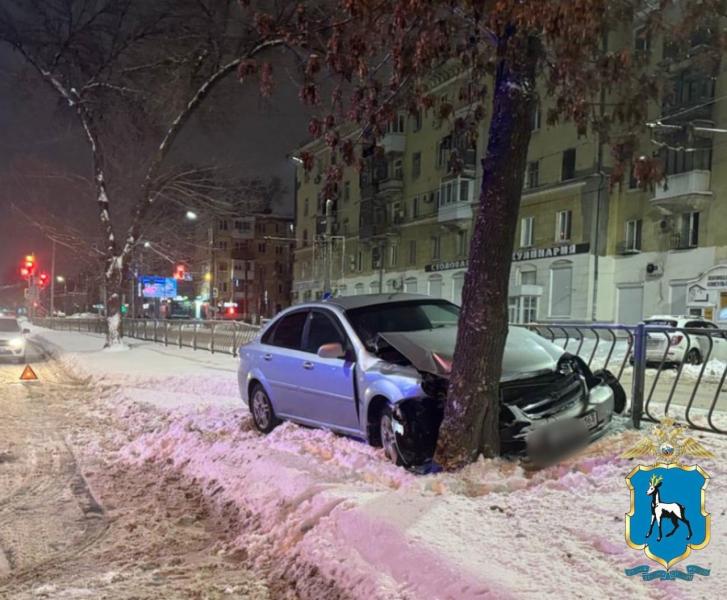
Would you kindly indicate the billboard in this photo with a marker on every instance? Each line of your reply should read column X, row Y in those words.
column 153, row 286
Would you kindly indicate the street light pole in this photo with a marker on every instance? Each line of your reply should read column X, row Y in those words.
column 53, row 278
column 327, row 248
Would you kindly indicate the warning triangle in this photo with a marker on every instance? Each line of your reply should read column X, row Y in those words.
column 28, row 374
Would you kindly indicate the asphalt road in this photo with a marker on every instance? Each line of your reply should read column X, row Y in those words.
column 76, row 524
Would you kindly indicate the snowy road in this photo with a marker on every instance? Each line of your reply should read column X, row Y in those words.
column 73, row 525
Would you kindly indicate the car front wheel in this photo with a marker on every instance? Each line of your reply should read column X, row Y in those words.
column 263, row 415
column 388, row 436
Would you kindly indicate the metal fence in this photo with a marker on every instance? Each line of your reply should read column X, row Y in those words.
column 664, row 370
column 224, row 337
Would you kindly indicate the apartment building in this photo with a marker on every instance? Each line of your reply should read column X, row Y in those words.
column 583, row 250
column 247, row 265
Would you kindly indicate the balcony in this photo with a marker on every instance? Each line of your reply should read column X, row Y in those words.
column 391, row 185
column 455, row 199
column 394, row 143
column 683, row 192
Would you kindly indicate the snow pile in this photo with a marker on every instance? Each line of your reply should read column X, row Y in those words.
column 332, row 516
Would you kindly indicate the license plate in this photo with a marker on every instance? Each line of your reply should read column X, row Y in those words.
column 591, row 419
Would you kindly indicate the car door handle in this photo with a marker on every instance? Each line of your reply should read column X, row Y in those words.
column 268, row 356
column 308, row 365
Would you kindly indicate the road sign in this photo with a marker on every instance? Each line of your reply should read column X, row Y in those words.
column 28, row 374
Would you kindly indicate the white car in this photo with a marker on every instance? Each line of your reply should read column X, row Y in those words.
column 12, row 339
column 678, row 346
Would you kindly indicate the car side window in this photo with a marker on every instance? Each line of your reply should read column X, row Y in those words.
column 322, row 329
column 694, row 325
column 288, row 333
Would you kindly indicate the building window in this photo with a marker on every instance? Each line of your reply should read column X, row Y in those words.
column 358, row 289
column 223, row 286
column 642, row 39
column 306, row 207
column 415, row 207
column 443, row 151
column 238, row 225
column 376, row 257
column 393, row 255
column 689, row 237
column 397, row 125
column 436, row 242
column 561, row 289
column 462, row 247
column 435, row 286
column 305, row 238
column 527, row 231
column 222, row 245
column 563, row 225
column 536, row 117
column 374, row 287
column 222, row 266
column 633, row 235
column 416, row 165
column 398, row 168
column 412, row 252
column 528, row 276
column 410, row 285
column 346, row 191
column 533, row 174
column 222, row 225
column 261, row 248
column 568, row 168
column 417, row 116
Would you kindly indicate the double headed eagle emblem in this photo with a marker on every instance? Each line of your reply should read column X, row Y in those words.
column 668, row 443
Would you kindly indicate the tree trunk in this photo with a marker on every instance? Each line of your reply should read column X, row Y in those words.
column 114, row 282
column 471, row 416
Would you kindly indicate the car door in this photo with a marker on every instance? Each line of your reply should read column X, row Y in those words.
column 719, row 338
column 326, row 384
column 281, row 359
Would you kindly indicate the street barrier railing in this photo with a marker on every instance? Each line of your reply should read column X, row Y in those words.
column 224, row 337
column 678, row 372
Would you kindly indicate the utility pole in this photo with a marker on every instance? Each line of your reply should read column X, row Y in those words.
column 53, row 278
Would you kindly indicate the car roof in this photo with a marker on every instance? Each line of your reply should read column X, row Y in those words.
column 351, row 302
column 675, row 318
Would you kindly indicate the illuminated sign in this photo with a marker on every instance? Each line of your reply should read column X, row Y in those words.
column 158, row 287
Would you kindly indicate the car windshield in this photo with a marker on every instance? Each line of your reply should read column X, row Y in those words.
column 661, row 322
column 418, row 315
column 9, row 325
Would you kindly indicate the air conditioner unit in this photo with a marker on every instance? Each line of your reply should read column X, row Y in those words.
column 654, row 269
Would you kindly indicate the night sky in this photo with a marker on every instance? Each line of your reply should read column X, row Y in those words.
column 237, row 131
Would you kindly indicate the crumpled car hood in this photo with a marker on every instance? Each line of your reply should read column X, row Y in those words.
column 526, row 353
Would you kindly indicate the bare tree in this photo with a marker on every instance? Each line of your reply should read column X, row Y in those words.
column 134, row 73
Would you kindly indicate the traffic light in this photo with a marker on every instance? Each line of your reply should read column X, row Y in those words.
column 27, row 267
column 43, row 280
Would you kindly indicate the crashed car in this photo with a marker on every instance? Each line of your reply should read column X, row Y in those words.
column 376, row 367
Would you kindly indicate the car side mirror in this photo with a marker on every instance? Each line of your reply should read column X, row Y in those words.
column 26, row 330
column 334, row 350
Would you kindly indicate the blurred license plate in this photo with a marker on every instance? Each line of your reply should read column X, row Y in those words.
column 591, row 419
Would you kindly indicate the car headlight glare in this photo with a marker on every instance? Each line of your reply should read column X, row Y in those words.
column 17, row 343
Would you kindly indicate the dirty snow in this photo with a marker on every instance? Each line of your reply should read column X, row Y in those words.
column 330, row 516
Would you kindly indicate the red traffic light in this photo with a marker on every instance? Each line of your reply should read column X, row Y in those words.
column 27, row 267
column 43, row 279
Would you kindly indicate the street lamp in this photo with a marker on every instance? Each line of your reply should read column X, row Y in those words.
column 191, row 215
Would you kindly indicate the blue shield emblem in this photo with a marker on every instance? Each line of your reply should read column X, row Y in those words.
column 667, row 517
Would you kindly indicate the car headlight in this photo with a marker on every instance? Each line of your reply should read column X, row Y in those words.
column 17, row 343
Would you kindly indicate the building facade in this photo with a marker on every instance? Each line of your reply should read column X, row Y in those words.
column 585, row 250
column 246, row 265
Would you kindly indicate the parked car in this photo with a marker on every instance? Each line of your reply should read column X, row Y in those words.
column 12, row 339
column 672, row 348
column 376, row 367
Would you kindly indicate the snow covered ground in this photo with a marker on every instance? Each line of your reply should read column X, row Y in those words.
column 333, row 518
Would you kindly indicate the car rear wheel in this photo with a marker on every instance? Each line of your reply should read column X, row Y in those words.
column 263, row 415
column 693, row 357
column 388, row 436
